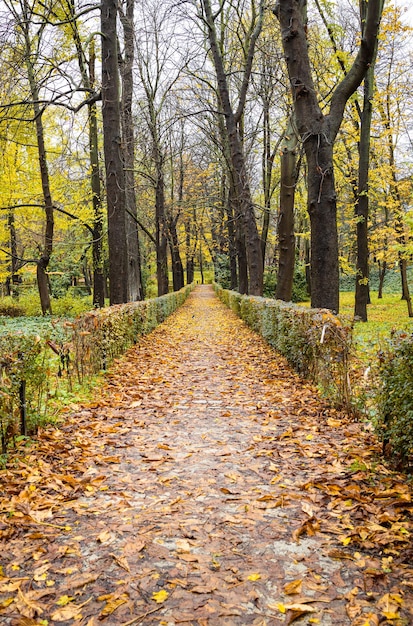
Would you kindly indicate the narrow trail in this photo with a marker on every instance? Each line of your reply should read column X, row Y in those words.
column 206, row 485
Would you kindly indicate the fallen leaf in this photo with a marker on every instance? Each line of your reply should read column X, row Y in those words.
column 293, row 587
column 160, row 596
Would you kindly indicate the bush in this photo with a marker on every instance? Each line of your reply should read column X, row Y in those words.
column 102, row 335
column 28, row 304
column 314, row 341
column 10, row 308
column 299, row 293
column 222, row 270
column 21, row 360
column 394, row 422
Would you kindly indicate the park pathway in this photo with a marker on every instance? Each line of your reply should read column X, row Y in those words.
column 206, row 485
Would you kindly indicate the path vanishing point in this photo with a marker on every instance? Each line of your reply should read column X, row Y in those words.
column 205, row 485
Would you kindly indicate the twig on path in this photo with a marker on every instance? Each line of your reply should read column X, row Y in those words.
column 142, row 616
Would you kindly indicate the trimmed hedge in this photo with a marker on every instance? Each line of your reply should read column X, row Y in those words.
column 101, row 335
column 315, row 342
column 88, row 345
column 394, row 421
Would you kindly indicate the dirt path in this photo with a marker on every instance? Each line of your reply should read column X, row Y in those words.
column 207, row 485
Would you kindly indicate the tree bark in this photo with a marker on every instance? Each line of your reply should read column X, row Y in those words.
column 128, row 142
column 285, row 227
column 362, row 296
column 114, row 167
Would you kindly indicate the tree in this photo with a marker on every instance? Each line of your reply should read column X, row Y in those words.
column 128, row 142
column 233, row 118
column 112, row 141
column 318, row 132
column 31, row 47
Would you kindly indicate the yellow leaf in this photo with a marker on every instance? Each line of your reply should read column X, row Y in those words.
column 5, row 603
column 254, row 577
column 160, row 596
column 346, row 541
column 63, row 600
column 281, row 608
column 112, row 605
column 293, row 587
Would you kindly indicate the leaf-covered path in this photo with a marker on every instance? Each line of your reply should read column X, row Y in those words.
column 207, row 485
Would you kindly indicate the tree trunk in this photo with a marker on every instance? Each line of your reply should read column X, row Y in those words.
column 322, row 209
column 177, row 267
column 267, row 167
column 13, row 279
column 115, row 179
column 161, row 229
column 362, row 296
column 189, row 251
column 286, row 235
column 382, row 274
column 97, row 246
column 128, row 141
column 232, row 244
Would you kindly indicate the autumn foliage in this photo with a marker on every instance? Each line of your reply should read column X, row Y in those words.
column 206, row 484
column 34, row 366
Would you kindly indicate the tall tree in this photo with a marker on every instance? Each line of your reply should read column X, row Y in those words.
column 233, row 119
column 115, row 176
column 31, row 46
column 318, row 131
column 128, row 142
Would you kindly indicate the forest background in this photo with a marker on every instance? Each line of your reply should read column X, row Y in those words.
column 179, row 205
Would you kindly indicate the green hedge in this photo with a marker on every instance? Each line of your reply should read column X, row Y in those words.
column 314, row 341
column 36, row 365
column 394, row 421
column 100, row 336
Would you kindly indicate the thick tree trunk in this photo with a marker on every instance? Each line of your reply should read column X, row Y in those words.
column 322, row 209
column 128, row 140
column 115, row 179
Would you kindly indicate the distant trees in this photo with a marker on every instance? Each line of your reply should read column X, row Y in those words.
column 202, row 157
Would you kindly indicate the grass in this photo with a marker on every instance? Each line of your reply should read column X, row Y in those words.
column 384, row 316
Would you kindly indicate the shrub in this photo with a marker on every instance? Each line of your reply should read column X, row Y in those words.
column 100, row 336
column 394, row 422
column 20, row 362
column 222, row 270
column 299, row 293
column 10, row 308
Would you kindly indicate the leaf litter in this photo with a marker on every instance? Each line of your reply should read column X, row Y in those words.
column 207, row 484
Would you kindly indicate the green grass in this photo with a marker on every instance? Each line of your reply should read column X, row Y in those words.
column 384, row 316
